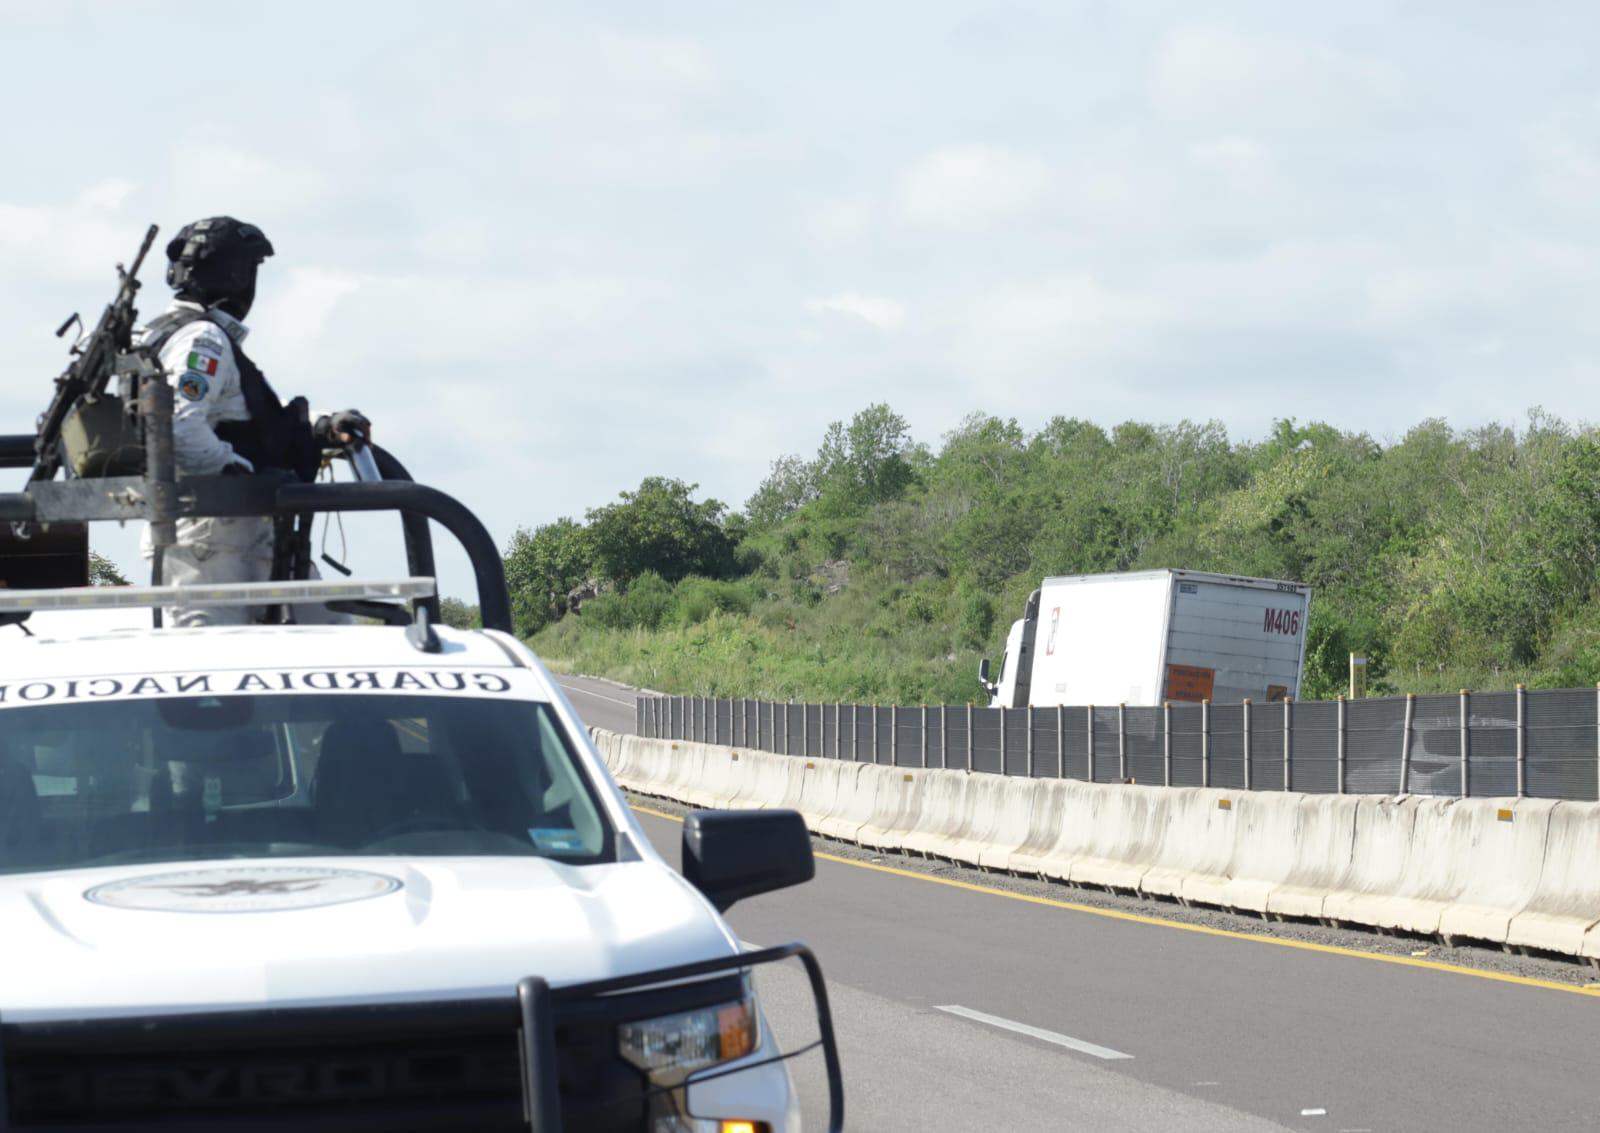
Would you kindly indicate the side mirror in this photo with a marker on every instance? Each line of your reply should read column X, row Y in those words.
column 983, row 672
column 732, row 854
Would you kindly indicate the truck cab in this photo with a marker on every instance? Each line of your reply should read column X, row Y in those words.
column 1003, row 688
column 1011, row 688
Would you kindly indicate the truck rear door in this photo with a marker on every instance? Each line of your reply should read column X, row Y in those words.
column 1232, row 639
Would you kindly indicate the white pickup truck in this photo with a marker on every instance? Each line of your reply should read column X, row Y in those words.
column 356, row 877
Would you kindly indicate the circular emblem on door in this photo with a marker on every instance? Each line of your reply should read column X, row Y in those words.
column 243, row 889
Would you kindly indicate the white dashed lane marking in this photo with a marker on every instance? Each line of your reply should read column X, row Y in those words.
column 596, row 695
column 1039, row 1033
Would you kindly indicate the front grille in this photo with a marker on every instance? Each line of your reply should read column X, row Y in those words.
column 411, row 1067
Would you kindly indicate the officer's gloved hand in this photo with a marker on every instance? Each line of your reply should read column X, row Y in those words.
column 342, row 428
column 239, row 466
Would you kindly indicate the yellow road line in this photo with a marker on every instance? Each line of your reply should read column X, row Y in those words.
column 1204, row 930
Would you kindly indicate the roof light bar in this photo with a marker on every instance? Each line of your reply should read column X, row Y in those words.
column 232, row 594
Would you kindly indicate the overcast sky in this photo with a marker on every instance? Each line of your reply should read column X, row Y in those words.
column 552, row 249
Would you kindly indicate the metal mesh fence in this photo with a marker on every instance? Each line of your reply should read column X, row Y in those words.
column 1544, row 744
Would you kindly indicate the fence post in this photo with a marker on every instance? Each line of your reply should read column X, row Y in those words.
column 1288, row 723
column 969, row 736
column 805, row 730
column 788, row 711
column 1030, row 741
column 1122, row 742
column 1205, row 742
column 1246, row 743
column 1405, row 743
column 874, row 733
column 1465, row 743
column 924, row 737
column 1091, row 743
column 944, row 737
column 1341, row 752
column 1061, row 742
column 716, row 719
column 894, row 735
column 838, row 730
column 1166, row 743
column 1002, row 739
column 1522, row 740
column 855, row 733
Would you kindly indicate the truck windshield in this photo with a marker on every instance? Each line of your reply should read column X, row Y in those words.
column 186, row 779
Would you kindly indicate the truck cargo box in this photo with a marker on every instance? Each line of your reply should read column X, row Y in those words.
column 1150, row 636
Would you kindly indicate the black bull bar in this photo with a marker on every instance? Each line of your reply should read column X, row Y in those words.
column 531, row 1014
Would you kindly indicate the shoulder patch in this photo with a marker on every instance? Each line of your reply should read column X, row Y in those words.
column 201, row 362
column 209, row 339
column 193, row 386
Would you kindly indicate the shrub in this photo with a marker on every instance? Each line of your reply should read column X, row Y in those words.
column 647, row 604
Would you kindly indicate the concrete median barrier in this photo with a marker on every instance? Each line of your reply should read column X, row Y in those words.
column 1196, row 844
column 1524, row 873
column 944, row 801
column 1564, row 909
column 897, row 806
column 1125, row 826
column 995, row 815
column 1498, row 850
column 1074, row 838
column 1379, row 848
column 853, row 802
column 820, row 790
column 1317, row 849
column 1046, row 823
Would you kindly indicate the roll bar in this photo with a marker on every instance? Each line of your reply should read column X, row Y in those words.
column 158, row 500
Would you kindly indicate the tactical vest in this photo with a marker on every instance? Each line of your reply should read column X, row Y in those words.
column 277, row 436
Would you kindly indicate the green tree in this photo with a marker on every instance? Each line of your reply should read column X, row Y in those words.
column 789, row 486
column 865, row 462
column 542, row 567
column 458, row 615
column 104, row 572
column 660, row 527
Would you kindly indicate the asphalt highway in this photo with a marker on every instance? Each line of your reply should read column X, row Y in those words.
column 963, row 1005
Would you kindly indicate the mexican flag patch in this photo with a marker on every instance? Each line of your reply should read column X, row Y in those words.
column 202, row 363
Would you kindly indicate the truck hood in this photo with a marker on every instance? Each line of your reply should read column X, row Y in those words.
column 185, row 937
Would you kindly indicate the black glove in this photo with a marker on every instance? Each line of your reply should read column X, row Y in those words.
column 348, row 421
column 234, row 468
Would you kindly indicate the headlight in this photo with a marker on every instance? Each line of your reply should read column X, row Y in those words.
column 673, row 1046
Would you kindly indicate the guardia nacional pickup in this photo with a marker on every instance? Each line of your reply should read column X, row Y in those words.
column 356, row 877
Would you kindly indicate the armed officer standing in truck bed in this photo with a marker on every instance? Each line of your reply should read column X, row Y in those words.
column 227, row 419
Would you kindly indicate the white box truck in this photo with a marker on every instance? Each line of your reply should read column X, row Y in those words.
column 1150, row 636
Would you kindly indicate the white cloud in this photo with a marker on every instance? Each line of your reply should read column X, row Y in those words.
column 885, row 314
column 971, row 186
column 1219, row 74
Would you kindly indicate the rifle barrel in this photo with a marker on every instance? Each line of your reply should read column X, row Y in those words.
column 138, row 261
